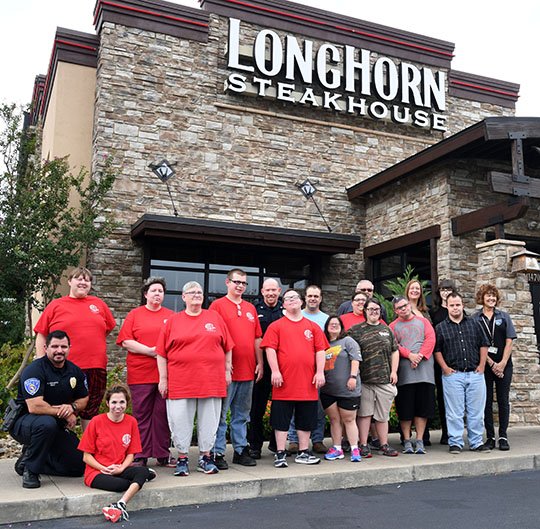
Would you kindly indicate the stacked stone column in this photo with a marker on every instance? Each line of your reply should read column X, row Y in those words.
column 495, row 267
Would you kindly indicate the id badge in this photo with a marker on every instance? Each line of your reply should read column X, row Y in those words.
column 493, row 350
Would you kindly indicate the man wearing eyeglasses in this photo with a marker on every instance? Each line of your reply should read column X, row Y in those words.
column 295, row 348
column 241, row 319
column 415, row 401
column 366, row 287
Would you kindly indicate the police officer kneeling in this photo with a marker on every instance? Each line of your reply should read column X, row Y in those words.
column 52, row 391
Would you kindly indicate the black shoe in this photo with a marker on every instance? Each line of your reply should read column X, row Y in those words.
column 454, row 449
column 244, row 458
column 444, row 439
column 30, row 480
column 503, row 444
column 427, row 442
column 19, row 464
column 221, row 464
column 490, row 443
column 254, row 453
column 345, row 445
column 481, row 448
column 272, row 448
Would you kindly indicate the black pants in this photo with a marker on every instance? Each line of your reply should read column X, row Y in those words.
column 261, row 394
column 50, row 447
column 123, row 481
column 440, row 400
column 502, row 388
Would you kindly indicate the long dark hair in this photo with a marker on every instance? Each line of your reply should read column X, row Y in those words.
column 326, row 325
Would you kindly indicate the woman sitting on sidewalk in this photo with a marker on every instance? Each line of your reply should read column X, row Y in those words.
column 109, row 444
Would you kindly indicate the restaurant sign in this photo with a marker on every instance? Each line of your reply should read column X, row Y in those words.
column 338, row 78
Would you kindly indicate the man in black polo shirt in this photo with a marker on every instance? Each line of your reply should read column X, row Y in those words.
column 461, row 351
column 269, row 309
column 52, row 391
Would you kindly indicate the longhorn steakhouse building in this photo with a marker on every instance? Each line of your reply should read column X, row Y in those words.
column 413, row 162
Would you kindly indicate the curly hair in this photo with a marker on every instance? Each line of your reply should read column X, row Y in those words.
column 488, row 288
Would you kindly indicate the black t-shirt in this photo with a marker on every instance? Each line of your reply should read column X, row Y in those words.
column 56, row 386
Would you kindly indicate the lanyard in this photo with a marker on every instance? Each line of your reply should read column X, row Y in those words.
column 491, row 332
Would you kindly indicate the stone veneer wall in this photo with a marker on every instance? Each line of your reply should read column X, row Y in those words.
column 158, row 96
column 495, row 266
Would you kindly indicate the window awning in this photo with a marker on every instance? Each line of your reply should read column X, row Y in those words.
column 165, row 227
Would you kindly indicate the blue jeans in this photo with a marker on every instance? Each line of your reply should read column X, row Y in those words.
column 238, row 400
column 317, row 435
column 465, row 393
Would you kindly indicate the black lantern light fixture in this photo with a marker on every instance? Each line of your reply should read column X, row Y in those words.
column 164, row 171
column 308, row 190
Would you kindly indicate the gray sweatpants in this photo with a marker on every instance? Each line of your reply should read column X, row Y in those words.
column 181, row 413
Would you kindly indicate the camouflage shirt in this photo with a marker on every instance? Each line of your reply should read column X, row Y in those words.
column 377, row 343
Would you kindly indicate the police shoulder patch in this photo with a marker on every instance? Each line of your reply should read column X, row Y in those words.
column 32, row 385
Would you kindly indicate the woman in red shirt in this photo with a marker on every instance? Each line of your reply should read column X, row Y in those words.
column 139, row 334
column 109, row 444
column 194, row 361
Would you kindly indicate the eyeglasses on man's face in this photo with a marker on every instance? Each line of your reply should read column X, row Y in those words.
column 291, row 298
column 193, row 293
column 238, row 282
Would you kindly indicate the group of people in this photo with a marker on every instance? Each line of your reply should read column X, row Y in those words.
column 224, row 363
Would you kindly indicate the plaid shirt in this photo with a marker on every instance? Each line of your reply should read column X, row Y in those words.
column 460, row 343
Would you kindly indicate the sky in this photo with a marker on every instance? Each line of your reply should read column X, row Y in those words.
column 495, row 39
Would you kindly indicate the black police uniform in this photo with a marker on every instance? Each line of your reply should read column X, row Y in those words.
column 50, row 448
column 262, row 389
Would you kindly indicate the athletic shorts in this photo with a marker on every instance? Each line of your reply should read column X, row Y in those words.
column 345, row 403
column 304, row 411
column 415, row 400
column 376, row 401
column 97, row 384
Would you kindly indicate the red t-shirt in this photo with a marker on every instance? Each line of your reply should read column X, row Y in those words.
column 109, row 442
column 144, row 326
column 351, row 319
column 87, row 322
column 244, row 329
column 296, row 343
column 195, row 348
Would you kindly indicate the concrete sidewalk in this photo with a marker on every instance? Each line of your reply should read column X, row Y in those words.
column 65, row 497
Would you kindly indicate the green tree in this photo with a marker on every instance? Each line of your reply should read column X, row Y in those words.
column 49, row 219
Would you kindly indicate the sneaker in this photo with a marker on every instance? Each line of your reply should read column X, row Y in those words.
column 503, row 444
column 375, row 444
column 280, row 459
column 243, row 459
column 490, row 443
column 182, row 468
column 305, row 457
column 292, row 448
column 356, row 457
column 365, row 451
column 122, row 507
column 320, row 448
column 333, row 454
column 387, row 450
column 255, row 453
column 112, row 513
column 168, row 462
column 481, row 448
column 219, row 461
column 207, row 465
column 419, row 447
column 345, row 445
column 151, row 474
column 408, row 447
column 454, row 449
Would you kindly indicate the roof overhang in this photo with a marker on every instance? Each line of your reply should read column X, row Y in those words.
column 487, row 138
column 178, row 228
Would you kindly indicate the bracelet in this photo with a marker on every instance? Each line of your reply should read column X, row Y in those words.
column 353, row 376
